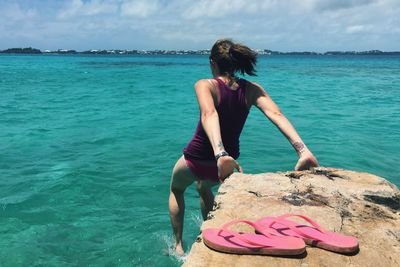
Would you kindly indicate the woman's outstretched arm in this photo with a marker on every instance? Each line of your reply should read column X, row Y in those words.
column 210, row 123
column 263, row 101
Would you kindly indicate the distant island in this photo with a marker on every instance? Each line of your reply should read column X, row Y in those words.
column 30, row 50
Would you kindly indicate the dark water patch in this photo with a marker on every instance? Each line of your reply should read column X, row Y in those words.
column 392, row 202
column 129, row 64
column 307, row 197
column 394, row 233
column 295, row 175
column 257, row 194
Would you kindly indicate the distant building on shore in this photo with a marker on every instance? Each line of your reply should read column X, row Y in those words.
column 267, row 52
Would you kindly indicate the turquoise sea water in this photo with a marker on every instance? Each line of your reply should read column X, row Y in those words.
column 88, row 143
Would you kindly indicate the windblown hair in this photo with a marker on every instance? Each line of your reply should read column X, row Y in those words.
column 233, row 57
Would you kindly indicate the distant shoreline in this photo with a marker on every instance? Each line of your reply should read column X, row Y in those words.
column 31, row 51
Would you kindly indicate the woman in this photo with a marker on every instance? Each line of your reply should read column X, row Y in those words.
column 224, row 101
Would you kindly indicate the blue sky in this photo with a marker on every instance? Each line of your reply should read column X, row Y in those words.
column 284, row 25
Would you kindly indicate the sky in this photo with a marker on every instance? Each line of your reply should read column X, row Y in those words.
column 282, row 25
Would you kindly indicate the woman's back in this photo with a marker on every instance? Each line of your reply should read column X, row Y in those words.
column 232, row 111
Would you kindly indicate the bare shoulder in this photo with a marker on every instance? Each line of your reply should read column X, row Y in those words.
column 253, row 86
column 204, row 84
column 206, row 92
column 254, row 92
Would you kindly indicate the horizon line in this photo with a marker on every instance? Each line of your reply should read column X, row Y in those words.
column 30, row 50
column 194, row 50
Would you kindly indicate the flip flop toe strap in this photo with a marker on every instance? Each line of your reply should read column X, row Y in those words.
column 282, row 220
column 240, row 236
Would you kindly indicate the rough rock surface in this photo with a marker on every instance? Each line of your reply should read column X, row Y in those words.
column 359, row 204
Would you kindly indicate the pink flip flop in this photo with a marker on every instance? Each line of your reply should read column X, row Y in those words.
column 224, row 240
column 313, row 234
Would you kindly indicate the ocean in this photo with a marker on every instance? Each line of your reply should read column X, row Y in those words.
column 87, row 145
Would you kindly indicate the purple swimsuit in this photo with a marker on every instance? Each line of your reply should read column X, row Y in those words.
column 232, row 111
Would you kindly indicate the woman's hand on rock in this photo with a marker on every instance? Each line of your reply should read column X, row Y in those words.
column 306, row 162
column 226, row 165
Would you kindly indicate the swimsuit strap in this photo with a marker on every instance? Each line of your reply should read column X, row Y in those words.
column 221, row 82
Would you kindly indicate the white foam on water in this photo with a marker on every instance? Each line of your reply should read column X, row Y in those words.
column 197, row 219
column 169, row 249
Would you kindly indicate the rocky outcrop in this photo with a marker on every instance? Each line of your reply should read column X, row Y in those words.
column 28, row 50
column 359, row 204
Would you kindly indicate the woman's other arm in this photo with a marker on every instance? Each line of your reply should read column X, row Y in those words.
column 210, row 123
column 263, row 101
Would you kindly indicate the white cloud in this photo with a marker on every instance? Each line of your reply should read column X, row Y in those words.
column 222, row 8
column 13, row 12
column 334, row 5
column 140, row 8
column 186, row 24
column 93, row 7
column 357, row 29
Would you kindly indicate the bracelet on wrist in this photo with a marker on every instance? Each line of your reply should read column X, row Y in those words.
column 221, row 154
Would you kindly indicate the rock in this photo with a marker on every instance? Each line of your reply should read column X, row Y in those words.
column 359, row 204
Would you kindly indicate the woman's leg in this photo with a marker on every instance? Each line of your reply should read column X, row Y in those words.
column 182, row 177
column 206, row 196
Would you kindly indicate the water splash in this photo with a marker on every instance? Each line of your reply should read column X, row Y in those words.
column 169, row 250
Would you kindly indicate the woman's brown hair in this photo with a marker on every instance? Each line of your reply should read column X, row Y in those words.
column 233, row 57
